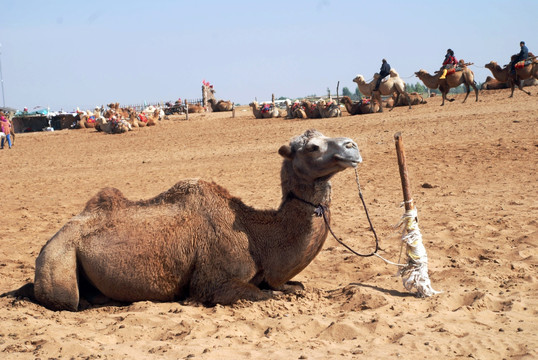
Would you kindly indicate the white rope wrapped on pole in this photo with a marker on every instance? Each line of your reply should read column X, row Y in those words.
column 415, row 273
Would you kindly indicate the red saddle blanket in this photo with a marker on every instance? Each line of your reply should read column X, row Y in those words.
column 521, row 64
column 142, row 117
column 266, row 108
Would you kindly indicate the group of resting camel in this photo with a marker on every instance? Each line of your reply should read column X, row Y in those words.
column 117, row 120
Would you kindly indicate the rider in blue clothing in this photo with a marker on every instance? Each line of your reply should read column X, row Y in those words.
column 523, row 55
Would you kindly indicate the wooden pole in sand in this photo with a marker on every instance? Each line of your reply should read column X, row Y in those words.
column 404, row 175
column 187, row 109
column 415, row 274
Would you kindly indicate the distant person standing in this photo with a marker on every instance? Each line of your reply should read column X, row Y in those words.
column 384, row 71
column 522, row 56
column 5, row 126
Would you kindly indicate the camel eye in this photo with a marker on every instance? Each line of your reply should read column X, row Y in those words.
column 312, row 148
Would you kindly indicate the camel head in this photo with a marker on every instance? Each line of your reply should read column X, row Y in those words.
column 420, row 73
column 491, row 65
column 359, row 79
column 346, row 100
column 314, row 156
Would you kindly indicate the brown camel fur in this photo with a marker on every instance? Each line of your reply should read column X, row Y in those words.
column 359, row 107
column 494, row 84
column 196, row 108
column 415, row 97
column 504, row 74
column 465, row 76
column 328, row 109
column 195, row 240
column 295, row 110
column 311, row 109
column 220, row 105
column 393, row 85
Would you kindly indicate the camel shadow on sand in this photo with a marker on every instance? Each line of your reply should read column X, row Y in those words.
column 390, row 292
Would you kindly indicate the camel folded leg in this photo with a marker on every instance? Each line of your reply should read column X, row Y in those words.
column 229, row 292
column 56, row 282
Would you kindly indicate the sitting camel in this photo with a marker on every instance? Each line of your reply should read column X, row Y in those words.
column 504, row 75
column 220, row 105
column 393, row 84
column 311, row 109
column 463, row 76
column 494, row 84
column 196, row 108
column 359, row 107
column 329, row 109
column 196, row 240
column 295, row 110
column 415, row 97
column 264, row 111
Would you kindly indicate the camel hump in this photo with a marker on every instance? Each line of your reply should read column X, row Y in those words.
column 394, row 73
column 189, row 187
column 107, row 199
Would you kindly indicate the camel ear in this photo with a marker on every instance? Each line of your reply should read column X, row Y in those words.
column 285, row 152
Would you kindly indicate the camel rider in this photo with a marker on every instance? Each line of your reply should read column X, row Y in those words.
column 384, row 71
column 522, row 56
column 449, row 63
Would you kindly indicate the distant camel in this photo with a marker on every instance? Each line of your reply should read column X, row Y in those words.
column 504, row 75
column 393, row 84
column 295, row 110
column 464, row 76
column 359, row 107
column 264, row 111
column 415, row 97
column 196, row 240
column 220, row 105
column 196, row 108
column 494, row 84
column 311, row 109
column 329, row 109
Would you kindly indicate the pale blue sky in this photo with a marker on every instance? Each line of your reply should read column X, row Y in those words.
column 65, row 54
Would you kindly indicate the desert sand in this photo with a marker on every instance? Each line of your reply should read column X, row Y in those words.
column 473, row 172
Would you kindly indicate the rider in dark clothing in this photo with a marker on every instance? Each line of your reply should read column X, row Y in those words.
column 384, row 71
column 523, row 55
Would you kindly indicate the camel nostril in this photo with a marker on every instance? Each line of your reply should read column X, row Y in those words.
column 350, row 145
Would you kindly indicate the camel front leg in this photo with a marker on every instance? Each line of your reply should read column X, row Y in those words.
column 229, row 292
column 520, row 87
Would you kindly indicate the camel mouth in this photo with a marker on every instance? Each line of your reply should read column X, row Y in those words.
column 346, row 162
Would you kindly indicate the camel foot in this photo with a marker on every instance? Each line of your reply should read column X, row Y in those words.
column 291, row 287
